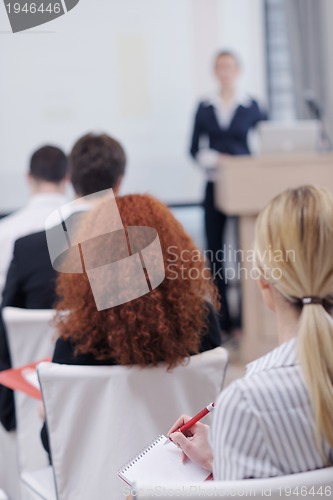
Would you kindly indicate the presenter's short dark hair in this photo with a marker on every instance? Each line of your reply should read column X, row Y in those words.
column 48, row 164
column 228, row 53
column 96, row 163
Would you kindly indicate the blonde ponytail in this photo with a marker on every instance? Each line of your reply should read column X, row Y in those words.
column 301, row 221
column 316, row 358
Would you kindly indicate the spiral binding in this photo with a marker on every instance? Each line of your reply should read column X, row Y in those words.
column 141, row 453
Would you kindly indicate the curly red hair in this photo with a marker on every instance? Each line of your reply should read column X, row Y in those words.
column 165, row 325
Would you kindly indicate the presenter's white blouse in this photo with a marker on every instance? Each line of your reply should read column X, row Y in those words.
column 263, row 425
column 208, row 158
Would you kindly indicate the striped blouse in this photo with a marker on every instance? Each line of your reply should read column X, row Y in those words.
column 263, row 425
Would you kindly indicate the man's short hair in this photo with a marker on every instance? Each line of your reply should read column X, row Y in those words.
column 48, row 164
column 97, row 162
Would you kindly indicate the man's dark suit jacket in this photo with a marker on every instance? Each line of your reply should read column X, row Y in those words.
column 30, row 284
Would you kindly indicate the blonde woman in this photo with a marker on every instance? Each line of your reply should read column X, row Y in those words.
column 278, row 419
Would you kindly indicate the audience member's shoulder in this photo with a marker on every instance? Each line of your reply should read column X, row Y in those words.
column 8, row 221
column 63, row 352
column 30, row 241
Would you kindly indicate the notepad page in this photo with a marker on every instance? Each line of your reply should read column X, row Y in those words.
column 162, row 463
column 31, row 376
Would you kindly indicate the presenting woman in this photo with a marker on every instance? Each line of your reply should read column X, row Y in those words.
column 277, row 420
column 221, row 127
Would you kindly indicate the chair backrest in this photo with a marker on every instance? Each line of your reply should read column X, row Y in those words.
column 32, row 323
column 316, row 484
column 31, row 337
column 9, row 474
column 100, row 417
column 3, row 495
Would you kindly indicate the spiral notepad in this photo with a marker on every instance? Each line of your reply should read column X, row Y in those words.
column 159, row 462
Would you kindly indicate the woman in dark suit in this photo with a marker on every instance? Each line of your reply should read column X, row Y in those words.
column 221, row 127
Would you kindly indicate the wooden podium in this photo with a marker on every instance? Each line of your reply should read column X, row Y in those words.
column 244, row 186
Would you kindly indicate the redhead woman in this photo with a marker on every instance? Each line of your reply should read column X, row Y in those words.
column 173, row 321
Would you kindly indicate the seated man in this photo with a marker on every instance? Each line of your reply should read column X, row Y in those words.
column 47, row 179
column 97, row 162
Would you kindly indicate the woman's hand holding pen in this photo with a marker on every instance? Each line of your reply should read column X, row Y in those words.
column 194, row 443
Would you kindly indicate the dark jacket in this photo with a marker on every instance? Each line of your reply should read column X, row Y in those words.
column 30, row 284
column 231, row 140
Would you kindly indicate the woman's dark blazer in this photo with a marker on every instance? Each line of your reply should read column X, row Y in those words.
column 231, row 140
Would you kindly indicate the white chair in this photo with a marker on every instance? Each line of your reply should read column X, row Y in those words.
column 31, row 338
column 38, row 485
column 316, row 484
column 9, row 475
column 99, row 417
column 3, row 495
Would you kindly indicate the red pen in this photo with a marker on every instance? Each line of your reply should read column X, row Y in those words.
column 193, row 420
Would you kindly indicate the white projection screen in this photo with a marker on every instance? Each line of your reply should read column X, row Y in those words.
column 132, row 68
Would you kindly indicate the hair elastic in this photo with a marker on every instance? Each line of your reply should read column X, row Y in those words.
column 312, row 300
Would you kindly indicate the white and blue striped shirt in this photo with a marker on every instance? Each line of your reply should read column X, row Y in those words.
column 263, row 424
